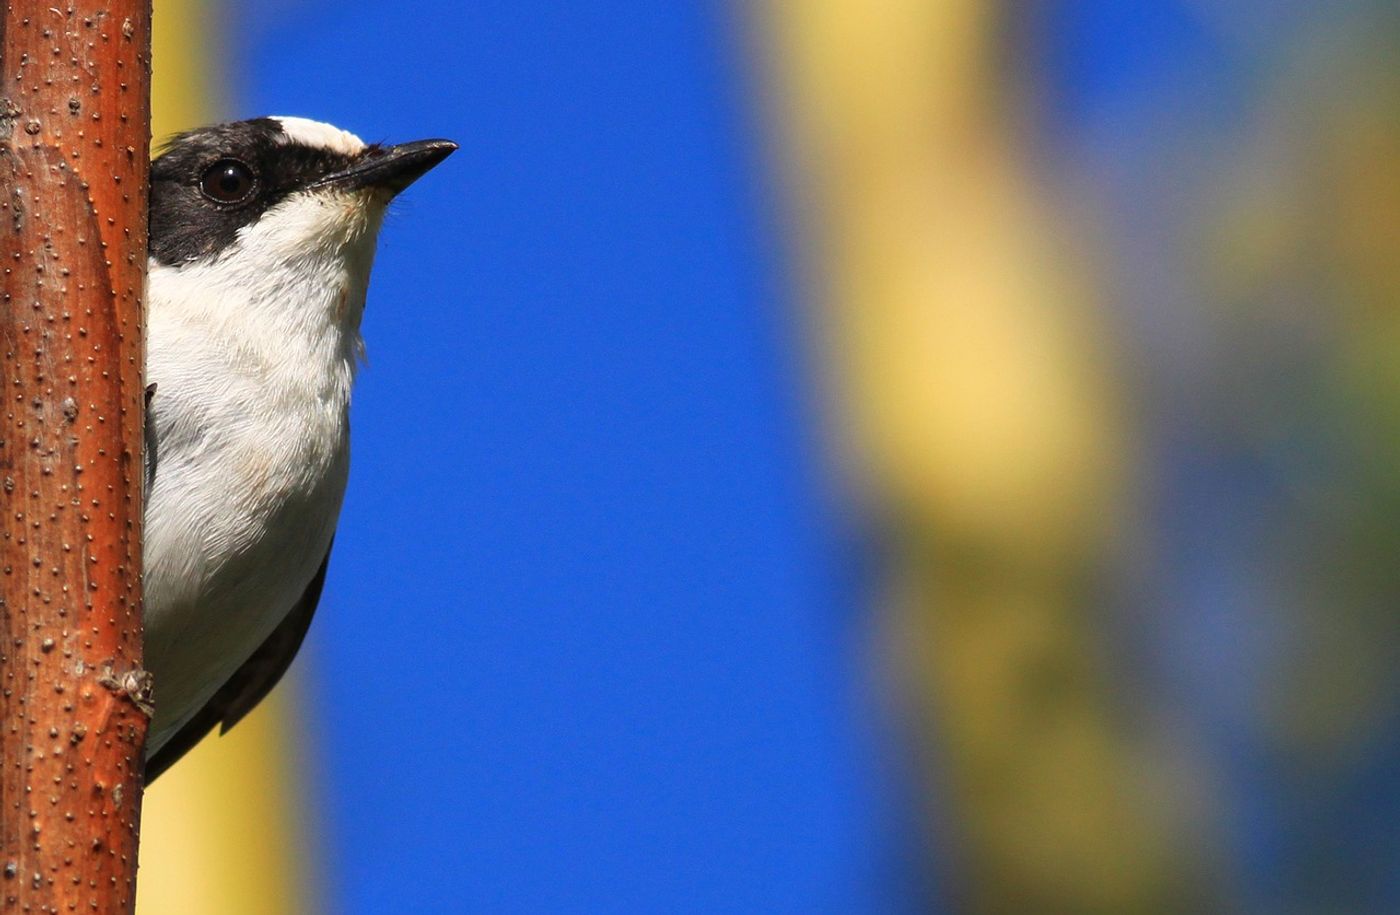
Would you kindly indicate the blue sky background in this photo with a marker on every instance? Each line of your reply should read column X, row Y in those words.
column 591, row 638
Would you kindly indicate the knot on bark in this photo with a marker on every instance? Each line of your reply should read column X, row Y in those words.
column 133, row 685
column 8, row 113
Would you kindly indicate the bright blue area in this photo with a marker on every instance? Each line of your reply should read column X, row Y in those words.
column 1120, row 59
column 591, row 642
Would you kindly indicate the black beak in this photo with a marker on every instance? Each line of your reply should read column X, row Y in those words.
column 392, row 168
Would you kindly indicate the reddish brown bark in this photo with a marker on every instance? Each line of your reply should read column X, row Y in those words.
column 74, row 141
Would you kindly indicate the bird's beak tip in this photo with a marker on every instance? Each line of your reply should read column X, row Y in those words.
column 393, row 168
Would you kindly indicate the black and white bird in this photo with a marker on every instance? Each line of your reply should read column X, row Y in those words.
column 262, row 233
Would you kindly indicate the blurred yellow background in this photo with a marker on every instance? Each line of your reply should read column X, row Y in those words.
column 1105, row 356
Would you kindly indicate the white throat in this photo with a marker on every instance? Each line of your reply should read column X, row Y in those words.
column 286, row 298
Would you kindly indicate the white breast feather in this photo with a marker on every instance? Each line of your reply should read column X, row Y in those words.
column 253, row 356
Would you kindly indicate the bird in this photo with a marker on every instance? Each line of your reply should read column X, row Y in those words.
column 262, row 233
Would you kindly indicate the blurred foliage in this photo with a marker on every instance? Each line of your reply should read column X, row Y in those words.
column 984, row 436
column 1112, row 302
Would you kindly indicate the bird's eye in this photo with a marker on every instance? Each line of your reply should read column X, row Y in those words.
column 227, row 181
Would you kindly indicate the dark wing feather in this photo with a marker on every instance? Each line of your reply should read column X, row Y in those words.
column 249, row 685
column 149, row 432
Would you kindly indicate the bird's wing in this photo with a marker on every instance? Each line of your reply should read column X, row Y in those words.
column 149, row 428
column 249, row 684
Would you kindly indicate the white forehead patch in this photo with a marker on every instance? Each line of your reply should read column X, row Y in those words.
column 318, row 135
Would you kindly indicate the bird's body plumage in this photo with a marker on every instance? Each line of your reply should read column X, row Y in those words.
column 253, row 341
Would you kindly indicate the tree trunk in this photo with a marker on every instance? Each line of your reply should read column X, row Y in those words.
column 74, row 158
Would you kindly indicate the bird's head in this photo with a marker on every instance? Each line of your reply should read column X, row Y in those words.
column 276, row 213
column 286, row 186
